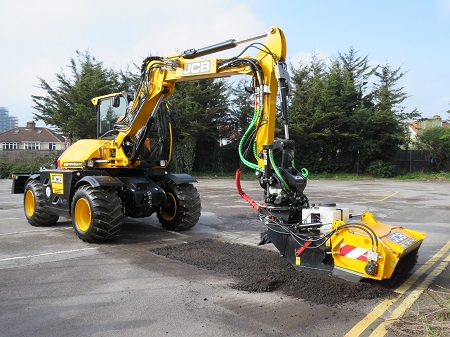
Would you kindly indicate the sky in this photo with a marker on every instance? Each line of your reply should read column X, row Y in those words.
column 38, row 38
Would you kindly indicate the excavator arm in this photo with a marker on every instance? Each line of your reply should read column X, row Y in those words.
column 160, row 74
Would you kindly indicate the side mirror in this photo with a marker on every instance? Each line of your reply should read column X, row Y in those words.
column 116, row 101
column 130, row 97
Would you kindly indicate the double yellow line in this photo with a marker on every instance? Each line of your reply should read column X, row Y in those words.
column 381, row 308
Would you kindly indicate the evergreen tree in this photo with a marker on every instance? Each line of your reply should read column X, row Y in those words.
column 337, row 123
column 384, row 125
column 326, row 112
column 242, row 108
column 436, row 143
column 68, row 106
column 307, row 81
column 201, row 110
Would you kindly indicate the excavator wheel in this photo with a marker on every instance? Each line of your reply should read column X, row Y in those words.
column 96, row 213
column 182, row 209
column 33, row 201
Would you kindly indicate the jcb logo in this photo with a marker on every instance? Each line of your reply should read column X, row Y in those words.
column 57, row 183
column 57, row 179
column 197, row 68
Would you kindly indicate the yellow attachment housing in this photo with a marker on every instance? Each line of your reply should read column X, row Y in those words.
column 353, row 248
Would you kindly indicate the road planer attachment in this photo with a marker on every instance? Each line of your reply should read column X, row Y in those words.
column 327, row 239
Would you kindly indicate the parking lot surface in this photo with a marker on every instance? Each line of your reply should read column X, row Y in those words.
column 53, row 284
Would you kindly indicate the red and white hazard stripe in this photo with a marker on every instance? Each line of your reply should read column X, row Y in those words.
column 353, row 252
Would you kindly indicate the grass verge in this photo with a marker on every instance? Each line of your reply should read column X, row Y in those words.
column 428, row 321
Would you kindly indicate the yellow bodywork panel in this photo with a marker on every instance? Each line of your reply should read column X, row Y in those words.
column 106, row 152
column 352, row 247
column 96, row 99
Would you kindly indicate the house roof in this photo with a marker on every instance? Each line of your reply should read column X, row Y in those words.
column 30, row 133
column 417, row 127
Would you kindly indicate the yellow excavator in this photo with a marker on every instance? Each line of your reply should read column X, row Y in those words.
column 123, row 173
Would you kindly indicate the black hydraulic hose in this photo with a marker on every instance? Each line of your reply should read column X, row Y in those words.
column 369, row 232
column 139, row 143
column 273, row 221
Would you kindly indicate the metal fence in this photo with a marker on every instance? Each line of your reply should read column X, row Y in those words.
column 412, row 161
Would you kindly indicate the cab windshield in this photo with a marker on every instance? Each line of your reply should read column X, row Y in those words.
column 109, row 111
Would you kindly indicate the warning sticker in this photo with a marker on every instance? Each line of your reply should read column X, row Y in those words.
column 409, row 242
column 397, row 237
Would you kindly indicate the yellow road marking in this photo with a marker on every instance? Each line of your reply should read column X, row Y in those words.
column 363, row 324
column 368, row 196
column 409, row 300
column 389, row 196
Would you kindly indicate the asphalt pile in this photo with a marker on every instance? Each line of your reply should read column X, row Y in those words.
column 259, row 270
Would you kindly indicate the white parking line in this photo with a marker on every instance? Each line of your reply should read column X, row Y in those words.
column 46, row 254
column 34, row 231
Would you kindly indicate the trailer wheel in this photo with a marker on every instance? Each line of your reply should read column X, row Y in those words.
column 182, row 209
column 96, row 213
column 33, row 204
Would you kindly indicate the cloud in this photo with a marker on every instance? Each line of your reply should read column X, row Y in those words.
column 444, row 7
column 38, row 38
column 306, row 57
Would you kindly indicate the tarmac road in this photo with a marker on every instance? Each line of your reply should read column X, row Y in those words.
column 53, row 284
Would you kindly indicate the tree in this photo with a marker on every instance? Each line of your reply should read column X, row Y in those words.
column 385, row 124
column 242, row 107
column 201, row 108
column 326, row 112
column 339, row 125
column 308, row 81
column 68, row 106
column 436, row 143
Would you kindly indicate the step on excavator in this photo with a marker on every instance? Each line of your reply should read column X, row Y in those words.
column 123, row 173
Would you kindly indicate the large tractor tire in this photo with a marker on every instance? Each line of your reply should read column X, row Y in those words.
column 182, row 209
column 33, row 203
column 96, row 213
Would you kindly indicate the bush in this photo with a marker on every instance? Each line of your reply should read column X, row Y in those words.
column 382, row 169
column 7, row 168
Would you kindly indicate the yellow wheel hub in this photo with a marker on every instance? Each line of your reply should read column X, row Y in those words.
column 30, row 205
column 169, row 211
column 83, row 216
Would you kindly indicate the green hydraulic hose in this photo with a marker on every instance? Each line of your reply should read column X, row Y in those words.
column 304, row 171
column 275, row 168
column 241, row 143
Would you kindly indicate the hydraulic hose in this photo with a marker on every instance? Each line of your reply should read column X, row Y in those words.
column 241, row 192
column 277, row 172
column 244, row 137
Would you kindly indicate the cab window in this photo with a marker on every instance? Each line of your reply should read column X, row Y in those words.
column 109, row 111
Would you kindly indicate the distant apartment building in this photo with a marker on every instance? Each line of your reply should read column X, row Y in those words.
column 7, row 122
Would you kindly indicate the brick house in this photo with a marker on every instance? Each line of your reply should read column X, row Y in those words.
column 31, row 138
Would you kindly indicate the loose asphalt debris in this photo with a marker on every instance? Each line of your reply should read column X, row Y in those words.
column 258, row 270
